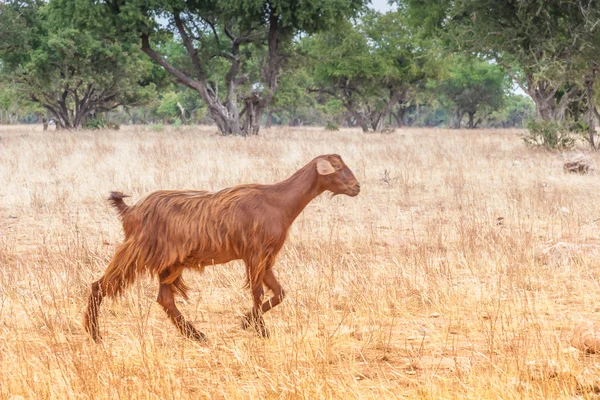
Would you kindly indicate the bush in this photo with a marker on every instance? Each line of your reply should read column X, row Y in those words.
column 100, row 122
column 157, row 127
column 549, row 134
column 332, row 126
column 388, row 129
column 95, row 123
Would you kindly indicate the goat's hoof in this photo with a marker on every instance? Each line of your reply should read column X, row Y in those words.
column 97, row 338
column 256, row 323
column 195, row 335
column 199, row 337
column 245, row 321
column 94, row 335
column 264, row 332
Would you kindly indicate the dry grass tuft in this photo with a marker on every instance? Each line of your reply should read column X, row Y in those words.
column 429, row 284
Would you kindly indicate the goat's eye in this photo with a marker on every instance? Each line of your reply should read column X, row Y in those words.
column 337, row 167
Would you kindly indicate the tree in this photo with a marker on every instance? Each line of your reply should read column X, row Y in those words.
column 240, row 45
column 73, row 71
column 293, row 103
column 475, row 88
column 517, row 110
column 12, row 107
column 371, row 66
column 545, row 46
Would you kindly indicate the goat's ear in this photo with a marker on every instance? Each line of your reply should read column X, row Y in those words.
column 324, row 167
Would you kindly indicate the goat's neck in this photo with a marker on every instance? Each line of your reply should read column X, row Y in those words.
column 298, row 190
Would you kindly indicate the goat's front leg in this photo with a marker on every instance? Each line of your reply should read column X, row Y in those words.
column 278, row 293
column 254, row 318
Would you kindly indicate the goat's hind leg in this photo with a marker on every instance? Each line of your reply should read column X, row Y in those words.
column 167, row 300
column 91, row 314
column 119, row 274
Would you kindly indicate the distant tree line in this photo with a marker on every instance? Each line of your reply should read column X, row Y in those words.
column 240, row 64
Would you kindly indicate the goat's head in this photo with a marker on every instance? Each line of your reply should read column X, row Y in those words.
column 335, row 176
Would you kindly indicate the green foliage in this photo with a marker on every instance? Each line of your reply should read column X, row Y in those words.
column 332, row 126
column 292, row 101
column 473, row 87
column 233, row 51
column 168, row 105
column 370, row 66
column 517, row 110
column 95, row 123
column 157, row 127
column 548, row 47
column 549, row 134
column 326, row 67
column 99, row 122
column 13, row 108
column 71, row 68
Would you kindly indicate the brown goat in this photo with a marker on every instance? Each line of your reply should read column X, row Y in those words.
column 169, row 231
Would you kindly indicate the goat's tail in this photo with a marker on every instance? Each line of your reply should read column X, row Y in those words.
column 123, row 269
column 116, row 200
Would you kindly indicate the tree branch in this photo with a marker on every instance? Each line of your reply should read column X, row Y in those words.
column 189, row 46
column 323, row 91
column 514, row 77
column 214, row 29
column 180, row 75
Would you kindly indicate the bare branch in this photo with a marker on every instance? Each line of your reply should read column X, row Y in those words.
column 323, row 91
column 514, row 77
column 180, row 75
column 229, row 34
column 189, row 46
column 214, row 29
column 242, row 79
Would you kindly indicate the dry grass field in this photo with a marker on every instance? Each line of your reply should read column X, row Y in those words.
column 413, row 289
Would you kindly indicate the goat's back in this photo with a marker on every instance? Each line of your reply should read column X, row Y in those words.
column 203, row 228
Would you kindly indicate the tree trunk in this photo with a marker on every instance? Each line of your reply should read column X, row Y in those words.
column 591, row 111
column 347, row 120
column 380, row 119
column 400, row 117
column 471, row 123
column 459, row 116
column 379, row 125
column 546, row 105
column 361, row 121
column 182, row 111
column 225, row 117
column 85, row 105
column 543, row 94
column 269, row 121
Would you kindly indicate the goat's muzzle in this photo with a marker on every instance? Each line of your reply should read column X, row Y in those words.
column 353, row 190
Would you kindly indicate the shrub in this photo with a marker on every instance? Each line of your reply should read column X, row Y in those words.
column 549, row 134
column 332, row 126
column 99, row 122
column 157, row 127
column 95, row 123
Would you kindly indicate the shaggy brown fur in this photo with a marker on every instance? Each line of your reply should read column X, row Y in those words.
column 169, row 231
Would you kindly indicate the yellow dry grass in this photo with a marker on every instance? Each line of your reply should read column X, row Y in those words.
column 413, row 289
